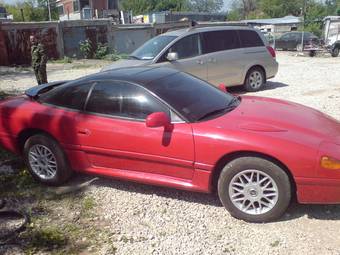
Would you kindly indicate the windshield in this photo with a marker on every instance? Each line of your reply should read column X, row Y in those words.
column 152, row 48
column 193, row 98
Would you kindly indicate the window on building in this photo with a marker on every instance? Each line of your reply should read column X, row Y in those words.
column 75, row 6
column 60, row 9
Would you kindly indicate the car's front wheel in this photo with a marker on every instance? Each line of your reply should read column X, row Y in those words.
column 255, row 79
column 254, row 189
column 45, row 160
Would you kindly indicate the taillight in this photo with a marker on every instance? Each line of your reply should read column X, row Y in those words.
column 271, row 51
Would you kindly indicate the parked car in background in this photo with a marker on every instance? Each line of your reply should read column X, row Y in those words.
column 229, row 55
column 293, row 41
column 164, row 127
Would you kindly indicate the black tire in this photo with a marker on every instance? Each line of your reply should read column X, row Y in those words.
column 277, row 174
column 249, row 85
column 62, row 173
column 299, row 47
column 335, row 52
column 312, row 53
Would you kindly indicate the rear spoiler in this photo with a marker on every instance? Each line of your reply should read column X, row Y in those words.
column 35, row 91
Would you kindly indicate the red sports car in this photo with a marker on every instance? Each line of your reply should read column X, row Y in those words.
column 164, row 127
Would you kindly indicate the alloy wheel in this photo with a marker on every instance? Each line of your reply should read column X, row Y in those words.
column 253, row 192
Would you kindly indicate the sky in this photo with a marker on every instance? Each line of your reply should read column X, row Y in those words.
column 226, row 3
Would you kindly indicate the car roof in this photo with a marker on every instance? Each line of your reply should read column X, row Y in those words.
column 192, row 30
column 141, row 75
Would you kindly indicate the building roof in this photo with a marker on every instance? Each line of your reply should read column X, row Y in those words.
column 276, row 21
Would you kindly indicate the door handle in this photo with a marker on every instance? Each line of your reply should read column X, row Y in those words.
column 200, row 62
column 84, row 132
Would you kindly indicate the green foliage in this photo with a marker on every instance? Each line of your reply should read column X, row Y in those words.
column 234, row 15
column 281, row 8
column 48, row 238
column 101, row 51
column 315, row 28
column 86, row 48
column 210, row 6
column 32, row 10
column 145, row 6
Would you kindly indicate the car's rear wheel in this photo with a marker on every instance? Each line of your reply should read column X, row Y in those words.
column 255, row 79
column 299, row 47
column 335, row 52
column 45, row 160
column 254, row 189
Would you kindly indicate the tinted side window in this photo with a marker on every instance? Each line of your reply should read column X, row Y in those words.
column 70, row 96
column 187, row 47
column 250, row 38
column 220, row 40
column 123, row 100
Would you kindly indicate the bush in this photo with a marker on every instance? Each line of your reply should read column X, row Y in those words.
column 101, row 51
column 86, row 48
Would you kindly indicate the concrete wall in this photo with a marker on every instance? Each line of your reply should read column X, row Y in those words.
column 62, row 38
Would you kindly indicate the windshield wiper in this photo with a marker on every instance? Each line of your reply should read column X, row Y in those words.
column 231, row 106
column 213, row 113
column 133, row 57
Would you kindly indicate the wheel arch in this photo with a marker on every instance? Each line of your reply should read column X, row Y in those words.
column 27, row 133
column 238, row 154
column 256, row 66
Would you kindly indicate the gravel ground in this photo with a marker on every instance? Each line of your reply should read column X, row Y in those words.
column 153, row 220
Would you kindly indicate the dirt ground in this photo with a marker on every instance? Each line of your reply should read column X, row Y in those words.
column 116, row 217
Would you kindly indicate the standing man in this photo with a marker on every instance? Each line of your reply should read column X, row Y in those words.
column 39, row 59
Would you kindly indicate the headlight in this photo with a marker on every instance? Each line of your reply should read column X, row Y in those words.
column 330, row 163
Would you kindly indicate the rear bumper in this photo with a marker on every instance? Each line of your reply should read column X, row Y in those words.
column 318, row 191
column 272, row 70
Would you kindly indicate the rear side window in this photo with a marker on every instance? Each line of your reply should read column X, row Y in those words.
column 250, row 38
column 220, row 40
column 123, row 99
column 69, row 96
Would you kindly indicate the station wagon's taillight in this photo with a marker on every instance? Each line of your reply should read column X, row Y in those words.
column 271, row 51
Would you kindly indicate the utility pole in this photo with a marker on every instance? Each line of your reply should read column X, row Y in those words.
column 303, row 22
column 49, row 9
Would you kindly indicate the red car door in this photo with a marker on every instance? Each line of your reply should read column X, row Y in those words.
column 113, row 133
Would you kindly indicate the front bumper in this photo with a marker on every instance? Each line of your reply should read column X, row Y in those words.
column 318, row 191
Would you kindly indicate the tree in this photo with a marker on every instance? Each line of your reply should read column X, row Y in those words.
column 281, row 8
column 31, row 10
column 145, row 6
column 205, row 5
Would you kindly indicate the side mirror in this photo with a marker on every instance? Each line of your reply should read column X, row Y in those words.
column 222, row 87
column 172, row 56
column 158, row 119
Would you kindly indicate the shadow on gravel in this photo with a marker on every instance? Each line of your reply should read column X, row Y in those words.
column 187, row 196
column 295, row 211
column 269, row 86
column 318, row 212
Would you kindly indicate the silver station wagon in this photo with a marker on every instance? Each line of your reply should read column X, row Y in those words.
column 227, row 55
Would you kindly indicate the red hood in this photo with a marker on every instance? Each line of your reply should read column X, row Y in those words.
column 272, row 115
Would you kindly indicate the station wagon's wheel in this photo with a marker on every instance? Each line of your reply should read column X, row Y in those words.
column 45, row 160
column 255, row 79
column 335, row 52
column 254, row 189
